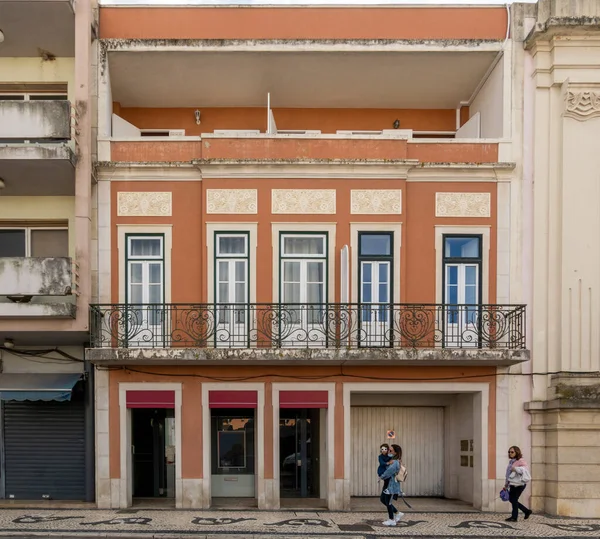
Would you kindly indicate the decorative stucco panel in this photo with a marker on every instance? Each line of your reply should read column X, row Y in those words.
column 462, row 204
column 582, row 105
column 376, row 201
column 231, row 201
column 141, row 204
column 299, row 201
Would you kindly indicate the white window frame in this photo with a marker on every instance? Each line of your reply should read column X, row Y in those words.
column 29, row 229
column 60, row 96
column 146, row 260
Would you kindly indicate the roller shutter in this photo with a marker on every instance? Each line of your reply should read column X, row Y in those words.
column 44, row 450
column 420, row 433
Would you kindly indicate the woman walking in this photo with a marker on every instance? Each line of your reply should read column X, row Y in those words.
column 517, row 477
column 391, row 487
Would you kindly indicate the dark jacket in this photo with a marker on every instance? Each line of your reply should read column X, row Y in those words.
column 383, row 460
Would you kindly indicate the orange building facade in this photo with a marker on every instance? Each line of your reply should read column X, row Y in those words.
column 307, row 229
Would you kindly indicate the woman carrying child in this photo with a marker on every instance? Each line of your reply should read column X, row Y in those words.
column 391, row 487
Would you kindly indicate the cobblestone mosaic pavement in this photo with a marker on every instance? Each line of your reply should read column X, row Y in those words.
column 322, row 524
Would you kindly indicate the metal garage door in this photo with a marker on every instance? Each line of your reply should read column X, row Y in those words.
column 420, row 433
column 44, row 451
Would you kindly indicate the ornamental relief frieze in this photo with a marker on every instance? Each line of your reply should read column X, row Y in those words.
column 582, row 105
column 232, row 201
column 462, row 205
column 376, row 201
column 144, row 204
column 303, row 201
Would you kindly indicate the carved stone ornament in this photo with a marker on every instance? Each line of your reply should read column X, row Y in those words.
column 300, row 201
column 462, row 204
column 142, row 204
column 582, row 105
column 376, row 201
column 231, row 201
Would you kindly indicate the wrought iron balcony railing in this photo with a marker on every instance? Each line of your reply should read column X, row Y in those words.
column 260, row 325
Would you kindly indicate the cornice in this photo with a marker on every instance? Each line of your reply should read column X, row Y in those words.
column 581, row 27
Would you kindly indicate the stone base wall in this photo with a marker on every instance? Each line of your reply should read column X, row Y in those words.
column 565, row 459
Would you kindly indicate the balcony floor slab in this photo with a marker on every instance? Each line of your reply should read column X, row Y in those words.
column 308, row 356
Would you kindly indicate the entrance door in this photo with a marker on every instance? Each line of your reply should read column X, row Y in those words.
column 299, row 453
column 153, row 441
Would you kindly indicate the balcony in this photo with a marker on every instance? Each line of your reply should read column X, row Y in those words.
column 30, row 287
column 327, row 334
column 35, row 156
column 34, row 26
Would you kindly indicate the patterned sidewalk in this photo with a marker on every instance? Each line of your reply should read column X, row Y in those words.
column 172, row 524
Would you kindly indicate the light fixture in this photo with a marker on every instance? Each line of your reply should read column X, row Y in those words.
column 1, row 36
column 396, row 124
column 2, row 184
column 9, row 343
column 197, row 115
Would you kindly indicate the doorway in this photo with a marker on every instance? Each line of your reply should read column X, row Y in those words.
column 153, row 452
column 299, row 442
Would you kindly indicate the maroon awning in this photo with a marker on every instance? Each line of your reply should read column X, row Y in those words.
column 232, row 399
column 303, row 399
column 150, row 399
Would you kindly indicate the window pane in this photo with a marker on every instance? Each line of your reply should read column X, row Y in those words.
column 12, row 242
column 135, row 273
column 223, row 271
column 452, row 275
column 462, row 248
column 367, row 272
column 240, row 292
column 471, row 275
column 366, row 292
column 155, row 293
column 315, row 293
column 49, row 243
column 308, row 245
column 383, row 293
column 471, row 295
column 452, row 294
column 315, row 272
column 145, row 247
column 12, row 97
column 375, row 244
column 291, row 272
column 291, row 293
column 240, row 271
column 383, row 273
column 136, row 293
column 155, row 273
column 234, row 245
column 223, row 293
column 47, row 97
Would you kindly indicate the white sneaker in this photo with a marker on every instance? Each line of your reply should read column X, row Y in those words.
column 389, row 522
column 398, row 516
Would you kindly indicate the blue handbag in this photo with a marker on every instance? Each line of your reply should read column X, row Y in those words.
column 504, row 495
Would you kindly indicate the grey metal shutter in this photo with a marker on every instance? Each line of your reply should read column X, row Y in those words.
column 44, row 450
column 420, row 433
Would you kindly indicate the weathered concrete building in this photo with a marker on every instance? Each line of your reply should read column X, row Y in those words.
column 309, row 243
column 46, row 390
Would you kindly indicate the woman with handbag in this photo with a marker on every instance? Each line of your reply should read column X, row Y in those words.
column 391, row 486
column 517, row 477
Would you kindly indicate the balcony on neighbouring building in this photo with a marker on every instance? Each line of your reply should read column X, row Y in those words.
column 34, row 28
column 35, row 155
column 329, row 334
column 33, row 287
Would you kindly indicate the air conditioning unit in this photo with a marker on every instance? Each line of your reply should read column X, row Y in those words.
column 350, row 133
column 236, row 132
column 298, row 132
column 162, row 133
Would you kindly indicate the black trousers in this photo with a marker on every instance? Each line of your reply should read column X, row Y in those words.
column 387, row 499
column 514, row 493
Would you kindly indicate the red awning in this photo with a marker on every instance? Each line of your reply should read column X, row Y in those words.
column 150, row 399
column 232, row 399
column 303, row 399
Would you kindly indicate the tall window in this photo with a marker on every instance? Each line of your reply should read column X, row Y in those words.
column 375, row 261
column 47, row 242
column 462, row 285
column 146, row 288
column 231, row 288
column 303, row 286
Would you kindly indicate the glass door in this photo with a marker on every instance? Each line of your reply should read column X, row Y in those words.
column 299, row 475
column 231, row 290
column 303, row 290
column 145, row 292
column 375, row 304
